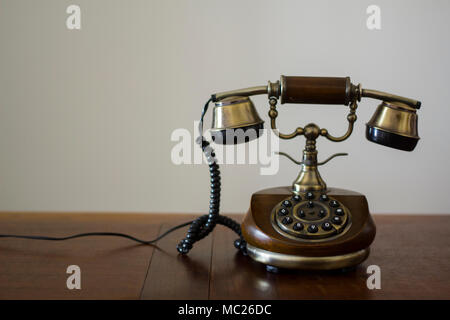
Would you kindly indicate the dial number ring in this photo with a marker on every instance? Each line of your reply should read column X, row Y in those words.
column 316, row 215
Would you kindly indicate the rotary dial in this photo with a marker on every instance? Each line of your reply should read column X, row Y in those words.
column 310, row 215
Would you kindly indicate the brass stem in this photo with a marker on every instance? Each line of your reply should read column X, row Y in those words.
column 309, row 178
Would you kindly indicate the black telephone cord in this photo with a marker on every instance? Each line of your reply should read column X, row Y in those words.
column 203, row 225
column 90, row 234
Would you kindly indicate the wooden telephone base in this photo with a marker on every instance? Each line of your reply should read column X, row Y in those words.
column 268, row 245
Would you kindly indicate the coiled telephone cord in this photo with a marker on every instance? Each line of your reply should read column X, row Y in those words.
column 203, row 225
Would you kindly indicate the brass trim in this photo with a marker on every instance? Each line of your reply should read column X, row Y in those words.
column 282, row 85
column 288, row 261
column 273, row 89
column 234, row 112
column 397, row 118
column 348, row 86
column 231, row 100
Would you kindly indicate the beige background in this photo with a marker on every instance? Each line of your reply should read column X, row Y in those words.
column 86, row 116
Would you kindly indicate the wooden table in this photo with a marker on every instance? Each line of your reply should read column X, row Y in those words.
column 413, row 253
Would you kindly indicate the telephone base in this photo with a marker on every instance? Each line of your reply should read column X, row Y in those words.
column 274, row 260
column 282, row 235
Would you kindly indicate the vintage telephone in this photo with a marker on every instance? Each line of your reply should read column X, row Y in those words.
column 308, row 225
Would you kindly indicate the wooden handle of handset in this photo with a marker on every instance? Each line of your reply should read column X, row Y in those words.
column 315, row 90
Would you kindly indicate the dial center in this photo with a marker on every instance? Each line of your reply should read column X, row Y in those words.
column 310, row 211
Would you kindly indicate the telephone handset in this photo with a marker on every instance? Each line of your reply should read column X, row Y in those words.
column 307, row 225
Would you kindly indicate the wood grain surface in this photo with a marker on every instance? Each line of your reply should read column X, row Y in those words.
column 412, row 251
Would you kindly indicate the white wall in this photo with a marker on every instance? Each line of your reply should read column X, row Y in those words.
column 86, row 116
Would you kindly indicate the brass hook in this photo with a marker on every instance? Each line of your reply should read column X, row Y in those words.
column 289, row 157
column 332, row 156
column 318, row 164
